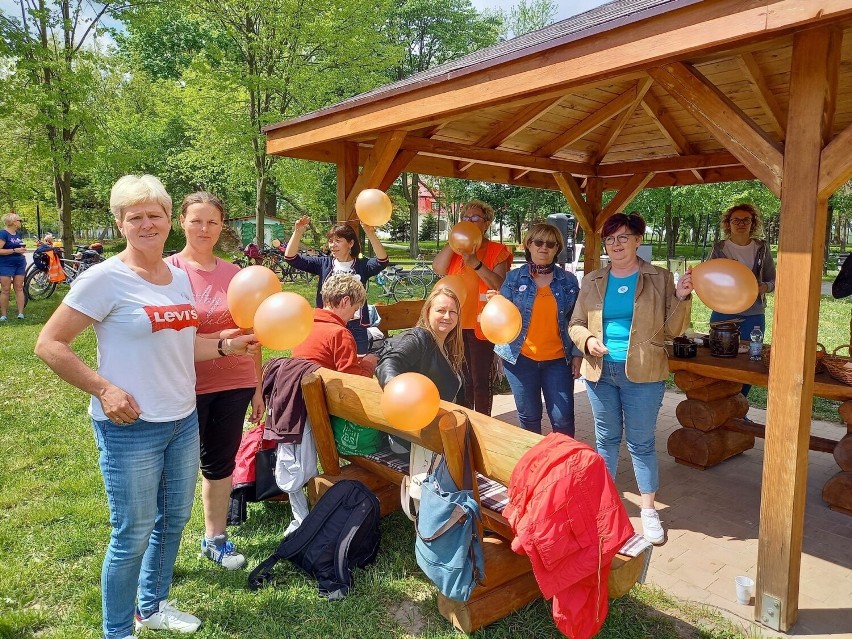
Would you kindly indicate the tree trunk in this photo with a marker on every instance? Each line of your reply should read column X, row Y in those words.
column 62, row 189
column 260, row 209
column 410, row 188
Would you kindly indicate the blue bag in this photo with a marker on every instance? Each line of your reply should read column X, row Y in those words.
column 448, row 546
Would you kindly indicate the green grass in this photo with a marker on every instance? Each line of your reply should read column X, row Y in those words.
column 55, row 528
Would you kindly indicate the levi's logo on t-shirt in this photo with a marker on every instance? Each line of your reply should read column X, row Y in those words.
column 176, row 317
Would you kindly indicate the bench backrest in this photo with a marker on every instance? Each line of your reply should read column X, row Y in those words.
column 399, row 315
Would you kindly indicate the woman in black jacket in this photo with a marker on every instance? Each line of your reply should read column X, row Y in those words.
column 433, row 347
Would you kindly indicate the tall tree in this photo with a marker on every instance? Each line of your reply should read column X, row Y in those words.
column 528, row 16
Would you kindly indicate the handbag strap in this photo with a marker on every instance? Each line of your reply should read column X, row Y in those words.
column 467, row 480
column 457, row 516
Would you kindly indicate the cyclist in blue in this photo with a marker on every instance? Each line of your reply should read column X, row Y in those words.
column 13, row 264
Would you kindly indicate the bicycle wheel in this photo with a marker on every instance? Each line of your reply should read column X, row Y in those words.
column 423, row 274
column 406, row 288
column 242, row 262
column 278, row 269
column 37, row 285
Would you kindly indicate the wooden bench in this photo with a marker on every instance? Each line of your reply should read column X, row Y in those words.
column 398, row 315
column 496, row 446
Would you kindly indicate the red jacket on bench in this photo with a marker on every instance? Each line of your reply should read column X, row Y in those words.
column 569, row 520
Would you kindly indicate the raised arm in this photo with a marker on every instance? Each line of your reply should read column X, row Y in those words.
column 299, row 229
column 378, row 249
column 441, row 262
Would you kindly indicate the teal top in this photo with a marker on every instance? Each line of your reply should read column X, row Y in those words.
column 618, row 315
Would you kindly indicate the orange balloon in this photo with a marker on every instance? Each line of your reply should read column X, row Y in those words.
column 373, row 207
column 247, row 290
column 410, row 401
column 725, row 285
column 465, row 237
column 283, row 320
column 500, row 320
column 456, row 284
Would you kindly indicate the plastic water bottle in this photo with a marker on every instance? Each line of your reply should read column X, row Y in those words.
column 755, row 347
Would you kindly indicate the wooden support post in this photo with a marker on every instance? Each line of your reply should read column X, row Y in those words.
column 347, row 174
column 791, row 379
column 378, row 164
column 594, row 200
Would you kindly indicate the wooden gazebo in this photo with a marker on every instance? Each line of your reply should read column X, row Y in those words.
column 632, row 95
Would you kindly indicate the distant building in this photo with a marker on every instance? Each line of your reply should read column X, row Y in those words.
column 246, row 228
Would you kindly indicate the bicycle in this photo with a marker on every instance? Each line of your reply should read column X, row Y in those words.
column 422, row 270
column 37, row 284
column 398, row 285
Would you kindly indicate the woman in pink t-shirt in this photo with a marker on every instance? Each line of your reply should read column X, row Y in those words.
column 224, row 387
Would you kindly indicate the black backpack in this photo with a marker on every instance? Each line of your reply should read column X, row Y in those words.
column 339, row 534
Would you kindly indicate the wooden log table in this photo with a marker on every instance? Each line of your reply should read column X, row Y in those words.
column 713, row 424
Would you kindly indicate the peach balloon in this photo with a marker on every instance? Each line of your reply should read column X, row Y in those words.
column 247, row 290
column 724, row 285
column 500, row 320
column 465, row 237
column 456, row 284
column 373, row 207
column 410, row 401
column 283, row 321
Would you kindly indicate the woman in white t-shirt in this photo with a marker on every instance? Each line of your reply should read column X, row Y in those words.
column 224, row 388
column 142, row 403
column 742, row 227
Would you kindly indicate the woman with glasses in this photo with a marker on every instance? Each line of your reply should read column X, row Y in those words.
column 623, row 316
column 741, row 227
column 481, row 271
column 540, row 360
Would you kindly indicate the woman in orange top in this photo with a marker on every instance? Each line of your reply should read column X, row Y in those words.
column 483, row 270
column 542, row 358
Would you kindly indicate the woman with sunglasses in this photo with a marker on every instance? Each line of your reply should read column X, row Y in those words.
column 623, row 316
column 741, row 227
column 542, row 358
column 481, row 271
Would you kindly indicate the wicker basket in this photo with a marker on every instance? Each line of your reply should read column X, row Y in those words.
column 819, row 366
column 836, row 365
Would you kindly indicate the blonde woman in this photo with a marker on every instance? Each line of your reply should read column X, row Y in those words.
column 13, row 264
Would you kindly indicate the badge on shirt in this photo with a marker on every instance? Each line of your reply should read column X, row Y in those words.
column 623, row 289
column 522, row 288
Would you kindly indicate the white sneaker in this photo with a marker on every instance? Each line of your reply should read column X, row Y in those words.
column 652, row 529
column 169, row 618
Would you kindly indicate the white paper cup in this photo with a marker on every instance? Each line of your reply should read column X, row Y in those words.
column 745, row 586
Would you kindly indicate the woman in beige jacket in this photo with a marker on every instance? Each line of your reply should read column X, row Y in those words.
column 621, row 320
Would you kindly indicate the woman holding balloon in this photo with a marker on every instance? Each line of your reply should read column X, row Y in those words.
column 143, row 415
column 345, row 249
column 224, row 387
column 542, row 357
column 623, row 316
column 742, row 227
column 481, row 265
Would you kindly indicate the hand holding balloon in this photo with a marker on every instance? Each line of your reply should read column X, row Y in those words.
column 500, row 320
column 465, row 238
column 302, row 223
column 490, row 293
column 684, row 285
column 373, row 207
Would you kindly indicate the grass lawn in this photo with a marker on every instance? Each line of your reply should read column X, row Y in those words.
column 55, row 528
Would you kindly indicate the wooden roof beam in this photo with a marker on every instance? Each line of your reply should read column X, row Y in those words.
column 677, row 163
column 376, row 167
column 664, row 121
column 642, row 87
column 478, row 154
column 835, row 166
column 574, row 194
column 724, row 120
column 763, row 93
column 624, row 197
column 399, row 164
column 685, row 178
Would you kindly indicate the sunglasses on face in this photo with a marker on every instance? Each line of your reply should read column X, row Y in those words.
column 473, row 218
column 621, row 239
column 548, row 243
column 740, row 221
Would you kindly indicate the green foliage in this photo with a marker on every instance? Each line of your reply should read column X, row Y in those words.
column 528, row 16
column 429, row 228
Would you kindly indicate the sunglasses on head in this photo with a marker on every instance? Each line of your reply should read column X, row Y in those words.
column 548, row 243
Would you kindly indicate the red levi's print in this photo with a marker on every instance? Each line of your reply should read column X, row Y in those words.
column 176, row 317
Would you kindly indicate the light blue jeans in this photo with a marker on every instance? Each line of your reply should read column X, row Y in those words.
column 149, row 471
column 623, row 407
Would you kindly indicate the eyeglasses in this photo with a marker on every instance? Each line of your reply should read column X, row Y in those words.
column 473, row 218
column 740, row 221
column 548, row 243
column 609, row 240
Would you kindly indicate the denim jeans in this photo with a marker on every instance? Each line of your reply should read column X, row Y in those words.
column 528, row 379
column 746, row 327
column 624, row 407
column 149, row 472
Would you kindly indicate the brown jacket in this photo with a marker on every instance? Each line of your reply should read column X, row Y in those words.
column 657, row 316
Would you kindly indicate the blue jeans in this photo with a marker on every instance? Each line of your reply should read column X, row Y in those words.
column 149, row 472
column 528, row 379
column 746, row 327
column 624, row 407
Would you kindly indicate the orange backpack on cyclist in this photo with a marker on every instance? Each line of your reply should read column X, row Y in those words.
column 55, row 273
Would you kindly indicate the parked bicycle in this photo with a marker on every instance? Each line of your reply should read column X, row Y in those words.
column 273, row 259
column 398, row 285
column 422, row 271
column 37, row 283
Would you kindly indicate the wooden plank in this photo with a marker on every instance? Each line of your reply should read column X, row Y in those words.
column 593, row 244
column 520, row 121
column 400, row 163
column 729, row 125
column 493, row 156
column 375, row 168
column 347, row 175
column 674, row 34
column 677, row 163
column 835, row 167
column 593, row 121
column 685, row 178
column 629, row 191
column 666, row 123
column 313, row 393
column 794, row 330
column 763, row 93
column 614, row 131
column 574, row 194
column 816, row 444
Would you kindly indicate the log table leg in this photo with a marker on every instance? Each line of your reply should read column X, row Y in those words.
column 702, row 442
column 837, row 492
